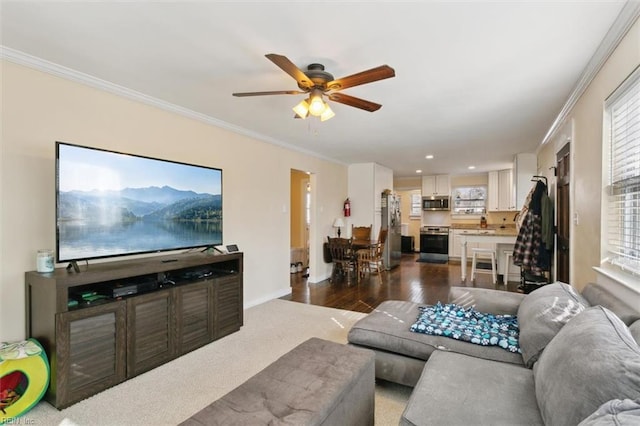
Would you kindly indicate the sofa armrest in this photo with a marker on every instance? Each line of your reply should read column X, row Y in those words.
column 487, row 300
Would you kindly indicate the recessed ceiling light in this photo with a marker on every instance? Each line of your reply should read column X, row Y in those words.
column 418, row 171
column 428, row 157
column 472, row 167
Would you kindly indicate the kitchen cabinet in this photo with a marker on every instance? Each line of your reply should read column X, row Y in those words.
column 501, row 191
column 436, row 185
column 525, row 166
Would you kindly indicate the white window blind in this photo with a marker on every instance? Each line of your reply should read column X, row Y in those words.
column 623, row 217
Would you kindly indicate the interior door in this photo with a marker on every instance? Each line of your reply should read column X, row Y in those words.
column 563, row 214
column 300, row 218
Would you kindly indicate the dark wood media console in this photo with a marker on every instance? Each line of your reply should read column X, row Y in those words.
column 115, row 320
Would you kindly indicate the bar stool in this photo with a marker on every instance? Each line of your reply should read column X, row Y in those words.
column 507, row 263
column 483, row 253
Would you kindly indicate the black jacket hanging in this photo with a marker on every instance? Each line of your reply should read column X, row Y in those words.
column 530, row 252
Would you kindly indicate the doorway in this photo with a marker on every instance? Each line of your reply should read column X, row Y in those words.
column 300, row 222
column 563, row 164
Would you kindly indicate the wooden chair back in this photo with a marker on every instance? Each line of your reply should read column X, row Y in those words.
column 361, row 233
column 382, row 238
column 342, row 257
column 340, row 249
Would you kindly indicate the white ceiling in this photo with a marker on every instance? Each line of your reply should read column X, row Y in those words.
column 476, row 81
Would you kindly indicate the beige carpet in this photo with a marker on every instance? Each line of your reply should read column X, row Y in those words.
column 171, row 393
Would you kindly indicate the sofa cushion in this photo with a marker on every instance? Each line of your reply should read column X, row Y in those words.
column 592, row 359
column 615, row 413
column 457, row 389
column 635, row 331
column 387, row 329
column 620, row 300
column 497, row 302
column 542, row 314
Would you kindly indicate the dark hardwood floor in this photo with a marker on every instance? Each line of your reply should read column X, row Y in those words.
column 412, row 280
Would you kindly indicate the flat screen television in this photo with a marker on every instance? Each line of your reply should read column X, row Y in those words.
column 114, row 204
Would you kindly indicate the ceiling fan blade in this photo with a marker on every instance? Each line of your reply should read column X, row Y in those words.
column 276, row 92
column 354, row 102
column 364, row 77
column 289, row 67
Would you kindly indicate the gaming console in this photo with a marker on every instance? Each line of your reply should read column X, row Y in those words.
column 122, row 290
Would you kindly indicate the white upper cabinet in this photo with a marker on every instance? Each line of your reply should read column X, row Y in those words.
column 436, row 185
column 525, row 167
column 507, row 194
column 508, row 188
column 502, row 192
column 493, row 192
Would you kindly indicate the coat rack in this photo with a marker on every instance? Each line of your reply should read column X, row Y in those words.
column 538, row 178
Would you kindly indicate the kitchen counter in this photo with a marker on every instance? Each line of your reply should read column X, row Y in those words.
column 472, row 229
column 477, row 226
column 505, row 236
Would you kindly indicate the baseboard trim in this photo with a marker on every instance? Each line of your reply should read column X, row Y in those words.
column 275, row 295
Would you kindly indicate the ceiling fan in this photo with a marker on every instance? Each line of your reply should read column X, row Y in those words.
column 317, row 82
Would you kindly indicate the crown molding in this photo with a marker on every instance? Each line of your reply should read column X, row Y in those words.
column 620, row 27
column 39, row 64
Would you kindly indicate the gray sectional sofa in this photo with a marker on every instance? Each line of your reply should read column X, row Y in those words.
column 579, row 359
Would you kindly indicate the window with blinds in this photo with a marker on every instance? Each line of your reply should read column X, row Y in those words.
column 623, row 183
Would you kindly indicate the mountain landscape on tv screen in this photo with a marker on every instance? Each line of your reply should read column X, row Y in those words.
column 139, row 204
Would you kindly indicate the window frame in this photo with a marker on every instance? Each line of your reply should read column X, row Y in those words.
column 609, row 257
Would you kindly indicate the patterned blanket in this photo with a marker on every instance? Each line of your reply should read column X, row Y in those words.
column 469, row 325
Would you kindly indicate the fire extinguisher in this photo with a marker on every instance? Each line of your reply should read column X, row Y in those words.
column 347, row 208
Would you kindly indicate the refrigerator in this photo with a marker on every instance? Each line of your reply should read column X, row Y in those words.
column 390, row 217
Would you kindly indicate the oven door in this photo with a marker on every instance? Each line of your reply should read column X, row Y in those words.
column 434, row 247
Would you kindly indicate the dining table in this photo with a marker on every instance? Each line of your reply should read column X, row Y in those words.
column 360, row 244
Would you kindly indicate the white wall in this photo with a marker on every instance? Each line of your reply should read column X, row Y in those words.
column 38, row 109
column 584, row 126
column 366, row 183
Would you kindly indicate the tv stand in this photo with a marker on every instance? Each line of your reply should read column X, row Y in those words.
column 73, row 264
column 119, row 319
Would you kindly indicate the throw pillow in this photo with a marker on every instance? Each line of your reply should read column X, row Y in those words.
column 615, row 413
column 542, row 314
column 592, row 360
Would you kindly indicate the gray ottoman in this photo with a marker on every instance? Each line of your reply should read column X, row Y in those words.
column 316, row 383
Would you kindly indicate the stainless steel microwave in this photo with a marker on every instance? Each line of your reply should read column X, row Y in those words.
column 436, row 203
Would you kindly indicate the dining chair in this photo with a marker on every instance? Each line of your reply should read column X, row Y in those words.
column 361, row 233
column 371, row 257
column 342, row 257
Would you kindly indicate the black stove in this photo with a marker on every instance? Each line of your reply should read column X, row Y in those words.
column 434, row 244
column 435, row 230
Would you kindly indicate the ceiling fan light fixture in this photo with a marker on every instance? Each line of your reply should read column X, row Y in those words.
column 302, row 109
column 317, row 82
column 316, row 104
column 327, row 114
